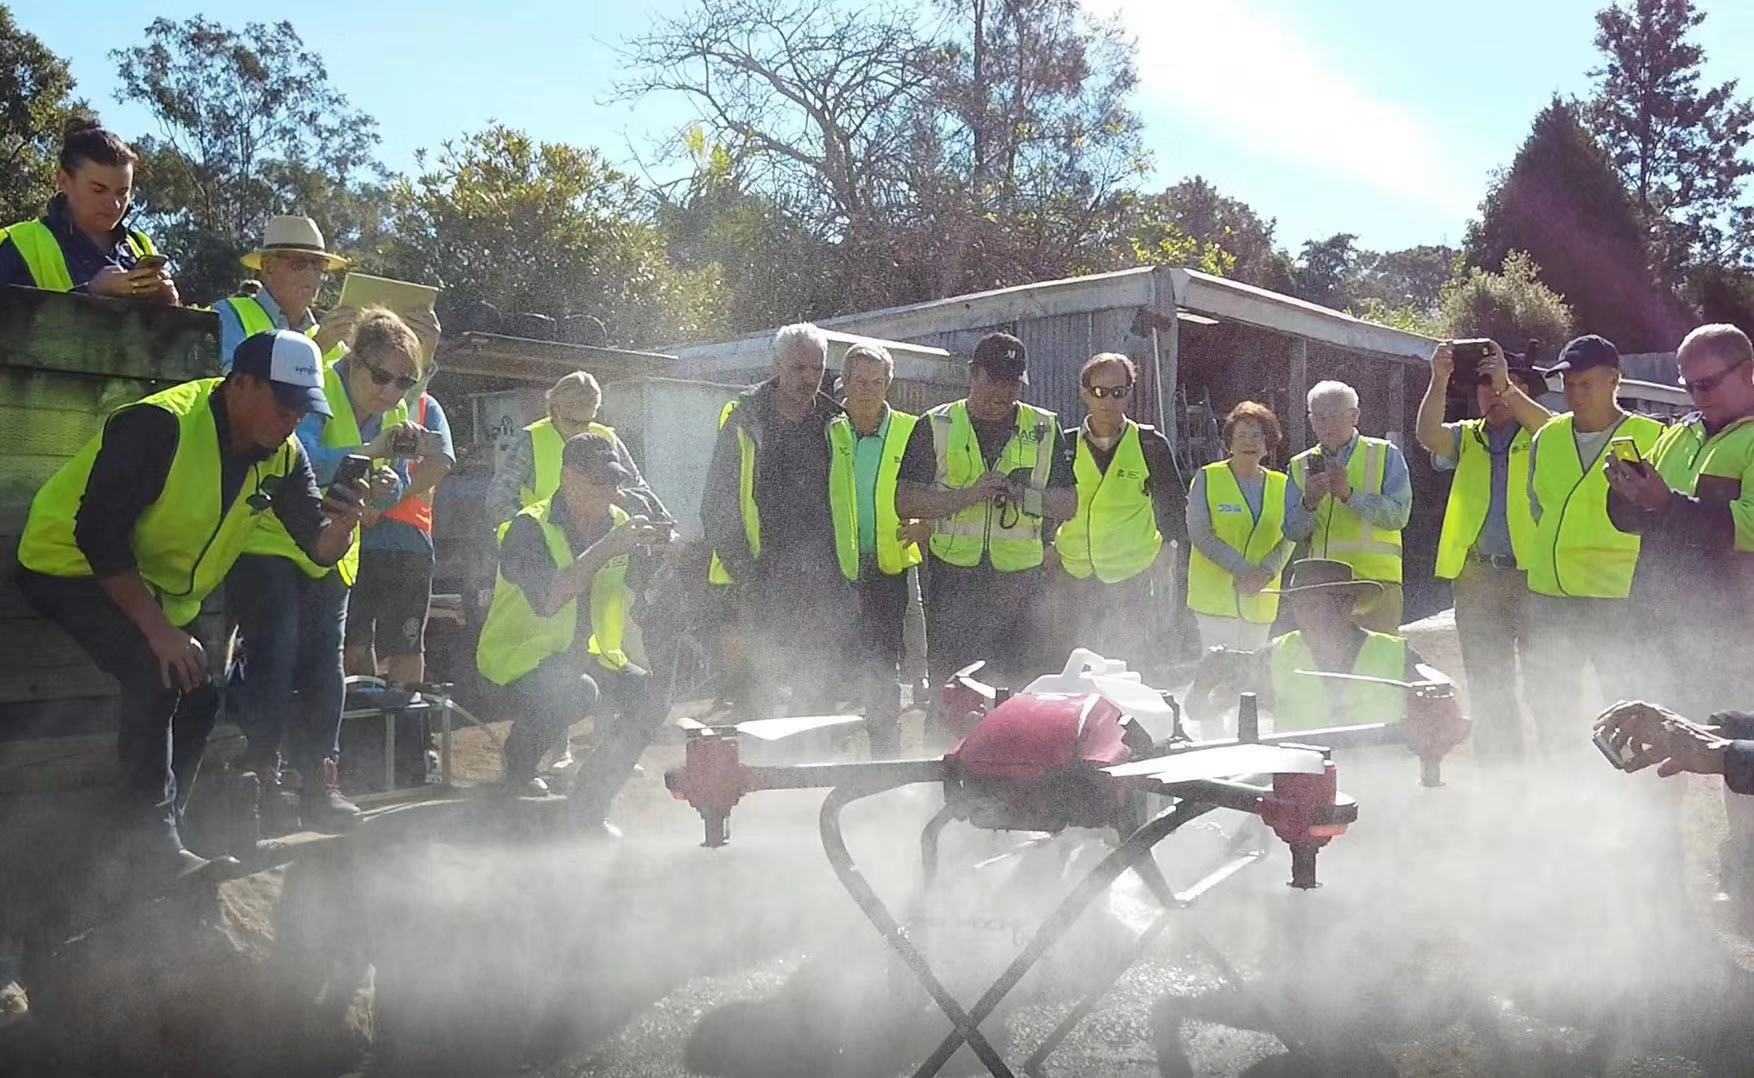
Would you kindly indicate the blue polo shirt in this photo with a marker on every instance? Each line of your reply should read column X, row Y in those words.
column 867, row 459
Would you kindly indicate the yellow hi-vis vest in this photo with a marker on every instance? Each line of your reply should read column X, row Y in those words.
column 546, row 446
column 1310, row 703
column 1685, row 452
column 1114, row 533
column 253, row 317
column 1340, row 533
column 893, row 556
column 751, row 513
column 1470, row 499
column 981, row 528
column 342, row 430
column 1578, row 553
column 185, row 542
column 1211, row 588
column 515, row 639
column 44, row 258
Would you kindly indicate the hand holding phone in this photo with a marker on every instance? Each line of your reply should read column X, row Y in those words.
column 1625, row 449
column 353, row 469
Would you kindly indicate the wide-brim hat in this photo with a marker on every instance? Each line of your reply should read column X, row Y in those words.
column 1322, row 575
column 293, row 235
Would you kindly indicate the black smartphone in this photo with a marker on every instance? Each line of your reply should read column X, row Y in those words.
column 1470, row 355
column 405, row 442
column 352, row 469
column 151, row 262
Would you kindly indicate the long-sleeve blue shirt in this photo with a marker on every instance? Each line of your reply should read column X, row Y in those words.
column 1389, row 510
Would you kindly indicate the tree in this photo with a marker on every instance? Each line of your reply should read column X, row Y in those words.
column 249, row 127
column 1723, row 295
column 1325, row 269
column 36, row 102
column 544, row 228
column 1562, row 203
column 1511, row 307
column 1679, row 146
column 1213, row 223
column 1410, row 279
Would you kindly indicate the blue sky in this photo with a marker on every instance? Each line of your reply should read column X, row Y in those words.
column 1378, row 117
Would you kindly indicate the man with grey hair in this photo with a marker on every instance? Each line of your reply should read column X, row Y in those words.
column 1349, row 497
column 766, row 516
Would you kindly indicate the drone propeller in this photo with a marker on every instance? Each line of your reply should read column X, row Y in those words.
column 1225, row 761
column 776, row 729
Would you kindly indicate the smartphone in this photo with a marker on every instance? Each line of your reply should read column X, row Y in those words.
column 405, row 442
column 151, row 262
column 1625, row 449
column 352, row 469
column 1469, row 357
column 1620, row 758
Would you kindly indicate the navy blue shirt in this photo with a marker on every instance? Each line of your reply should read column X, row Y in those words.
column 84, row 258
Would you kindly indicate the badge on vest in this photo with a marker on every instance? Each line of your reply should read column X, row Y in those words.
column 1226, row 507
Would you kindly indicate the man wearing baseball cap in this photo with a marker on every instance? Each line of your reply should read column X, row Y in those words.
column 128, row 538
column 1581, row 567
column 988, row 470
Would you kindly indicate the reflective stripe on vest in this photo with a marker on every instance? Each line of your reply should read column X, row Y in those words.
column 415, row 510
column 716, row 572
column 341, row 431
column 183, row 544
column 46, row 261
column 1578, row 553
column 1470, row 499
column 980, row 529
column 1114, row 533
column 1340, row 533
column 515, row 639
column 843, row 496
column 546, row 445
column 1309, row 703
column 1211, row 588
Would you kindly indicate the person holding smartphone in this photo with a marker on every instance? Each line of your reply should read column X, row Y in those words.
column 292, row 610
column 1488, row 528
column 80, row 243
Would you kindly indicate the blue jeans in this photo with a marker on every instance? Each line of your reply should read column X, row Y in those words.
column 293, row 680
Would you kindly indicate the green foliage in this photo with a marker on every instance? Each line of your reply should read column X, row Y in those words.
column 249, row 127
column 1203, row 228
column 1414, row 318
column 1723, row 295
column 1679, row 145
column 1410, row 279
column 526, row 226
column 1511, row 306
column 35, row 104
column 1325, row 269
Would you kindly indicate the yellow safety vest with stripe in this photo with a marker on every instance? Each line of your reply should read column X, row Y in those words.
column 340, row 432
column 515, row 639
column 1340, row 533
column 893, row 556
column 1470, row 499
column 1211, row 587
column 982, row 528
column 185, row 542
column 1114, row 533
column 1578, row 553
column 751, row 513
column 546, row 446
column 1685, row 452
column 254, row 318
column 46, row 261
column 1310, row 703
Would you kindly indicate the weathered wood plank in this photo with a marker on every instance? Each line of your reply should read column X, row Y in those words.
column 108, row 337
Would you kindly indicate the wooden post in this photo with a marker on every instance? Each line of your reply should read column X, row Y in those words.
column 1166, row 350
column 1395, row 423
column 1296, row 426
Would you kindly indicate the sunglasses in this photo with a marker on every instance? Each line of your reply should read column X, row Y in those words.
column 1711, row 382
column 383, row 377
column 1110, row 392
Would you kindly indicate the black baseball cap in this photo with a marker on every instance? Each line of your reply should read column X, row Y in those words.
column 594, row 455
column 1583, row 353
column 1001, row 355
column 290, row 363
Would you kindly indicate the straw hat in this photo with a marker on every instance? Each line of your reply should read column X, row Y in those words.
column 293, row 235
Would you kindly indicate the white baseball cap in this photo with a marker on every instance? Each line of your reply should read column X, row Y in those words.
column 290, row 363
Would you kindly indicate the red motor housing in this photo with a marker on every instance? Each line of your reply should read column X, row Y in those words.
column 1298, row 811
column 1033, row 764
column 712, row 778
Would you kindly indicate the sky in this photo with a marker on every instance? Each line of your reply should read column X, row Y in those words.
column 1376, row 117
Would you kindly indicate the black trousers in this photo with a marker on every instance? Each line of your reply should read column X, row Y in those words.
column 878, row 649
column 1117, row 621
column 981, row 613
column 162, row 733
column 566, row 688
column 794, row 629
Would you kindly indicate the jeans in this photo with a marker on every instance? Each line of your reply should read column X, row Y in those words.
column 1492, row 624
column 564, row 689
column 162, row 733
column 293, row 681
column 794, row 630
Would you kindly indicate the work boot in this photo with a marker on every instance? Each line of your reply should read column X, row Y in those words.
column 322, row 807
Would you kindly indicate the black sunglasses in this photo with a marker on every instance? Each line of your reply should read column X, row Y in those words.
column 383, row 377
column 1110, row 392
column 1711, row 382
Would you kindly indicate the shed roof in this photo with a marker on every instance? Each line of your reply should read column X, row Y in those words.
column 913, row 362
column 542, row 362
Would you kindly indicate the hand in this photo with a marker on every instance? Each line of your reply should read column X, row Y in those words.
column 1338, row 485
column 1315, row 488
column 345, row 505
column 182, row 661
column 1251, row 582
column 635, row 531
column 337, row 326
column 987, row 487
column 914, row 531
column 1639, row 484
column 1443, row 363
column 115, row 282
column 1497, row 367
column 1656, row 735
column 383, row 485
column 432, row 443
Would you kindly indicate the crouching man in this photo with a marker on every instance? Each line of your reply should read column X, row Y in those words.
column 561, row 557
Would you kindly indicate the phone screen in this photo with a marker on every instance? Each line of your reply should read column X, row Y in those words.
column 1625, row 449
